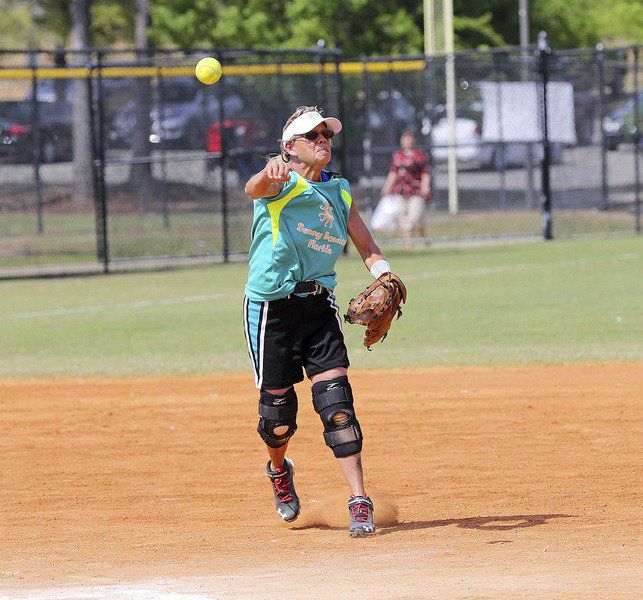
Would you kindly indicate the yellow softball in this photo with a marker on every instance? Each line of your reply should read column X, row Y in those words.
column 208, row 70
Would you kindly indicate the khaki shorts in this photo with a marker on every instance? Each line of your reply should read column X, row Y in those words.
column 411, row 213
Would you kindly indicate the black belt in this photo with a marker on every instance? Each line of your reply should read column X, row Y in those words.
column 308, row 287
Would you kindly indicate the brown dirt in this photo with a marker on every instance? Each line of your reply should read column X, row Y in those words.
column 514, row 482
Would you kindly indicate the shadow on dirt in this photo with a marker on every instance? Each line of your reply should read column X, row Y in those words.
column 497, row 523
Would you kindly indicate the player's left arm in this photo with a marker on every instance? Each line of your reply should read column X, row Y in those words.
column 425, row 178
column 425, row 186
column 363, row 239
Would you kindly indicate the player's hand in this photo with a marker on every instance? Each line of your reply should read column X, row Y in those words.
column 277, row 170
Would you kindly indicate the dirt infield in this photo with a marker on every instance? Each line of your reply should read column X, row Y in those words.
column 489, row 483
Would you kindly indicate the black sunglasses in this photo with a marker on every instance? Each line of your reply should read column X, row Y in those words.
column 313, row 135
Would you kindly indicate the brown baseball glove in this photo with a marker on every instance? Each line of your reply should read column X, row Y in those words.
column 376, row 307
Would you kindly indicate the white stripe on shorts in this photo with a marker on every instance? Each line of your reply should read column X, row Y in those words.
column 246, row 330
column 339, row 319
column 260, row 342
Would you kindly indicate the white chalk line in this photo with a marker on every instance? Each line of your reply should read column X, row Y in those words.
column 142, row 304
column 217, row 587
column 76, row 310
column 109, row 591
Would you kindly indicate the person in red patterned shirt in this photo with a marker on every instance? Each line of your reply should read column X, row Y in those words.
column 408, row 181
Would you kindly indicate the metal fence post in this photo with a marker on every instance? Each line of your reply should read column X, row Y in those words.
column 546, row 218
column 499, row 148
column 97, row 129
column 224, row 188
column 339, row 83
column 36, row 140
column 600, row 60
column 637, row 144
column 321, row 80
column 161, row 108
column 367, row 141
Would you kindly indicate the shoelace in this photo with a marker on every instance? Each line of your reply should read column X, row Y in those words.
column 282, row 489
column 361, row 511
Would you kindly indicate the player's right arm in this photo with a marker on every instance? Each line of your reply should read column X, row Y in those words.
column 390, row 179
column 269, row 181
column 388, row 184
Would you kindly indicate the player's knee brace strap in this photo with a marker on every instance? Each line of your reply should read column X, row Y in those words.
column 277, row 410
column 333, row 401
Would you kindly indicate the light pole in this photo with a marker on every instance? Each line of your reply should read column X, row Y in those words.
column 446, row 45
column 429, row 27
column 452, row 162
column 523, row 21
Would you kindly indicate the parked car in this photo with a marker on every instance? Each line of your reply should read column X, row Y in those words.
column 246, row 142
column 17, row 139
column 471, row 150
column 179, row 118
column 620, row 126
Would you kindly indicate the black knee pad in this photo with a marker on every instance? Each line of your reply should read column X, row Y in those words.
column 330, row 398
column 277, row 410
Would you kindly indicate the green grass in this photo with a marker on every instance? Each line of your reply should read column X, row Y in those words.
column 71, row 238
column 562, row 301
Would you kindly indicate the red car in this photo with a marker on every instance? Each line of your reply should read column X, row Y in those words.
column 246, row 144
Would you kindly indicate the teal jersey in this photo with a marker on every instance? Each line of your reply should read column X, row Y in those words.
column 297, row 235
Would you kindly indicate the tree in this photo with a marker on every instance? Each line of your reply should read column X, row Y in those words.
column 568, row 24
column 358, row 26
column 111, row 22
column 621, row 21
column 141, row 172
column 80, row 39
column 369, row 27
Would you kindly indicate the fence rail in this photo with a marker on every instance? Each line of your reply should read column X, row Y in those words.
column 112, row 159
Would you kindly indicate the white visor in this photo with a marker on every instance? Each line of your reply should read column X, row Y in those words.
column 307, row 122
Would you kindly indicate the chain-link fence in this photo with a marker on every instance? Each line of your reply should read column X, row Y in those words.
column 113, row 159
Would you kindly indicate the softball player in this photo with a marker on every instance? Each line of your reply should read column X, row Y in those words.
column 302, row 217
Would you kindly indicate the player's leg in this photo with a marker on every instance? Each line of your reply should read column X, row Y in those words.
column 405, row 222
column 417, row 215
column 277, row 454
column 326, row 362
column 336, row 418
column 402, row 214
column 277, row 423
column 333, row 400
column 277, row 365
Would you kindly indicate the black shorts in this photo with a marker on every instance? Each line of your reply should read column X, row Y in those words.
column 287, row 335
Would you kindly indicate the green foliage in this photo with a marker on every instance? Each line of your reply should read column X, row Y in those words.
column 185, row 22
column 371, row 27
column 486, row 22
column 476, row 32
column 54, row 15
column 368, row 27
column 15, row 22
column 568, row 24
column 358, row 26
column 621, row 20
column 112, row 22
